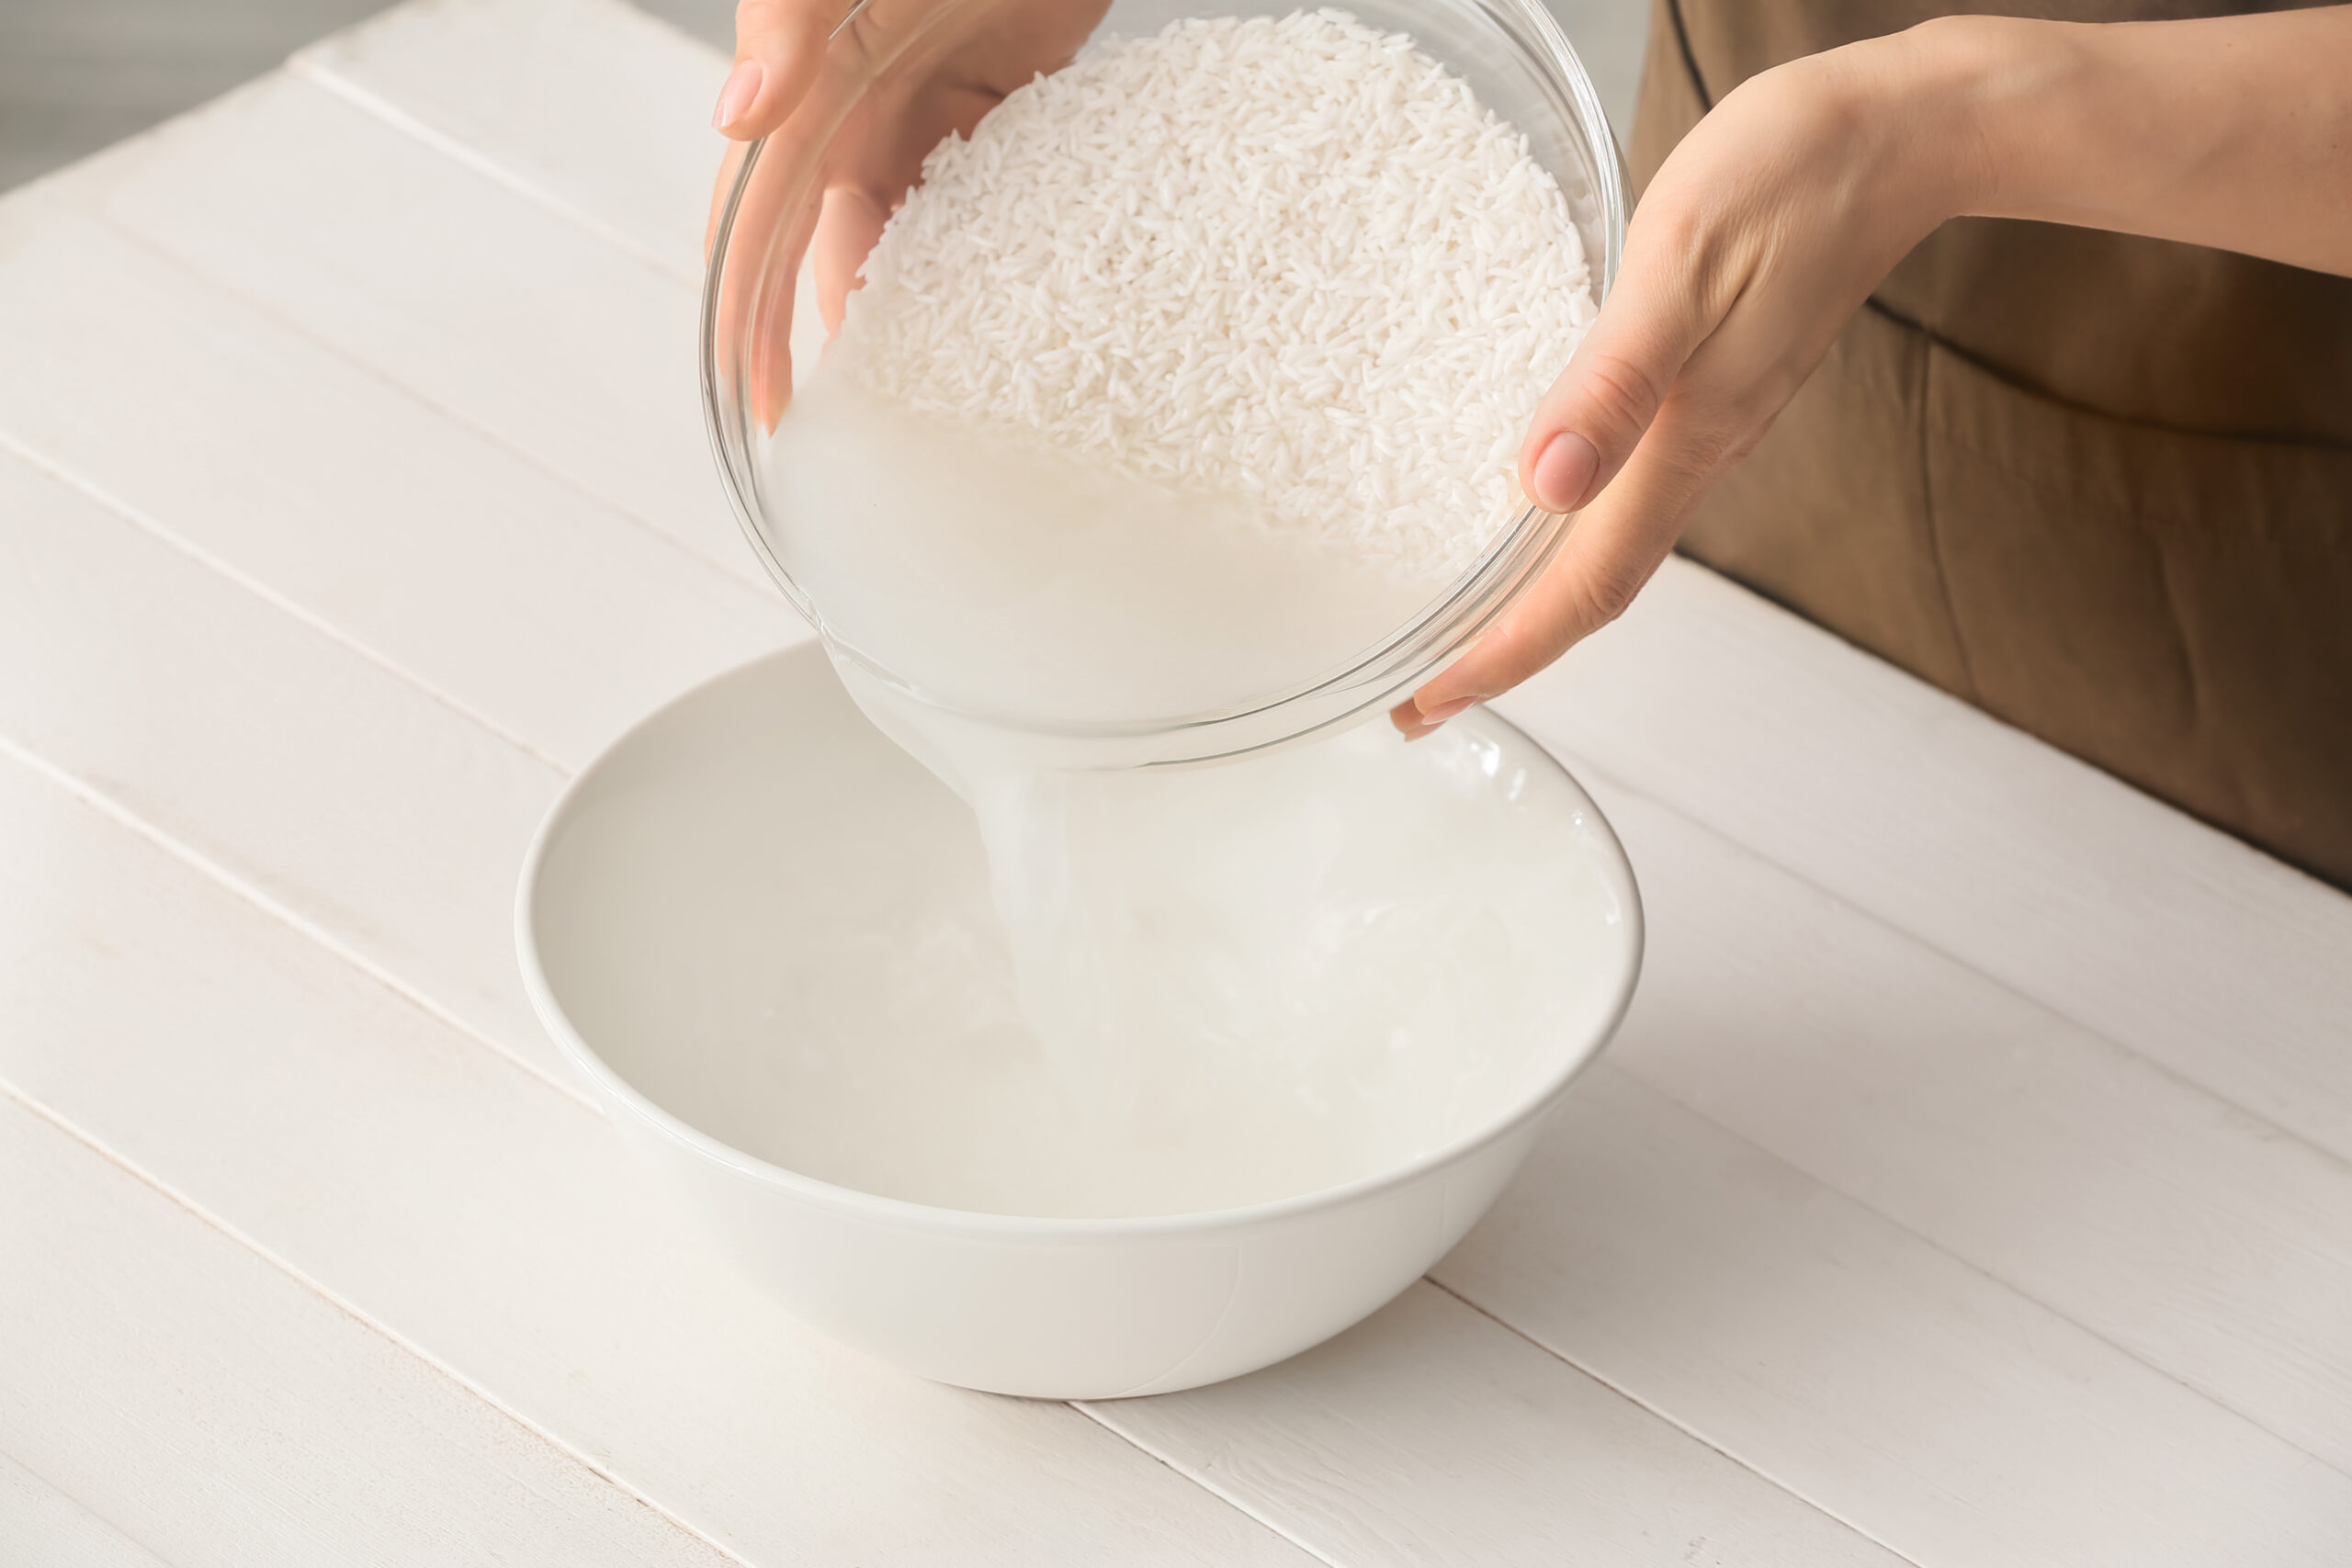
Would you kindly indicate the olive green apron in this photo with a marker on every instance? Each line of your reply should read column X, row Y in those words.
column 2098, row 485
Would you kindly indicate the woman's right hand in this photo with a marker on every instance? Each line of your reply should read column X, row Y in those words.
column 877, row 85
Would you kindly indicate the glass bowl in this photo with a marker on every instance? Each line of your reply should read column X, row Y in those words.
column 757, row 323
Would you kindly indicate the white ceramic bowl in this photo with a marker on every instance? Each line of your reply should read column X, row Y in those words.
column 645, row 907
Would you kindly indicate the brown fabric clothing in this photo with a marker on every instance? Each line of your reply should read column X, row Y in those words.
column 2098, row 485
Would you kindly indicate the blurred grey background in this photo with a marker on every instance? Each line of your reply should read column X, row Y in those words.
column 76, row 75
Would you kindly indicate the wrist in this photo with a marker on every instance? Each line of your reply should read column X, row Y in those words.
column 1985, row 94
column 1972, row 92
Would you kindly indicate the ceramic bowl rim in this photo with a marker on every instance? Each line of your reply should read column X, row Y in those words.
column 902, row 1213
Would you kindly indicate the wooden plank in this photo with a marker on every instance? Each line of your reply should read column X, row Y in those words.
column 508, row 594
column 319, row 782
column 38, row 1524
column 223, row 1413
column 569, row 351
column 589, row 107
column 2100, row 1185
column 435, row 1192
column 1891, row 1386
column 1432, row 1435
column 2113, row 910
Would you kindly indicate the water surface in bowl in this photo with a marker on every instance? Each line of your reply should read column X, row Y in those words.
column 778, row 927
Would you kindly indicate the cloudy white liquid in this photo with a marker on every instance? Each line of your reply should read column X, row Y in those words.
column 1022, row 583
column 1194, row 988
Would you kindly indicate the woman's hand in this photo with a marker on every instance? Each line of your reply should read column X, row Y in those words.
column 894, row 78
column 1763, row 231
column 1783, row 208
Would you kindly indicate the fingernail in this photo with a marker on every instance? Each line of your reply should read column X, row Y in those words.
column 1563, row 471
column 735, row 98
column 1434, row 716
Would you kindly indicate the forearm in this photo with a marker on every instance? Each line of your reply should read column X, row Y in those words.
column 2234, row 131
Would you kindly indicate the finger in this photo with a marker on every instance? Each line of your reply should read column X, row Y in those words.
column 846, row 234
column 779, row 44
column 1593, row 449
column 781, row 201
column 1586, row 426
column 728, row 167
column 759, row 269
column 805, row 99
column 1614, row 548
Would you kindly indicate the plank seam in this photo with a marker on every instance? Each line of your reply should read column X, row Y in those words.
column 1891, row 921
column 1767, row 1477
column 739, row 571
column 87, row 1512
column 90, row 490
column 1583, row 765
column 307, row 66
column 1185, row 1472
column 2215, row 1397
column 349, row 1310
column 123, row 815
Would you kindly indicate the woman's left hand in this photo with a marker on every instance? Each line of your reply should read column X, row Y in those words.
column 1764, row 230
column 1781, row 211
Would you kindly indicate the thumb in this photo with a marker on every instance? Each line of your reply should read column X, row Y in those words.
column 1584, row 432
column 779, row 44
column 1610, row 553
column 1586, row 426
column 1592, row 432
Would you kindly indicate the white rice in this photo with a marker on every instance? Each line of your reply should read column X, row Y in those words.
column 1292, row 263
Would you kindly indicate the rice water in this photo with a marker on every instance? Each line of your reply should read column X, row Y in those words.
column 1195, row 375
column 1189, row 987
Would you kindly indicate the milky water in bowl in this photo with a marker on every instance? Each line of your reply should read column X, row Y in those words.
column 1360, row 955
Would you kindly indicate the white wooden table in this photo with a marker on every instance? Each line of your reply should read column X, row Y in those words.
column 1971, row 1185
